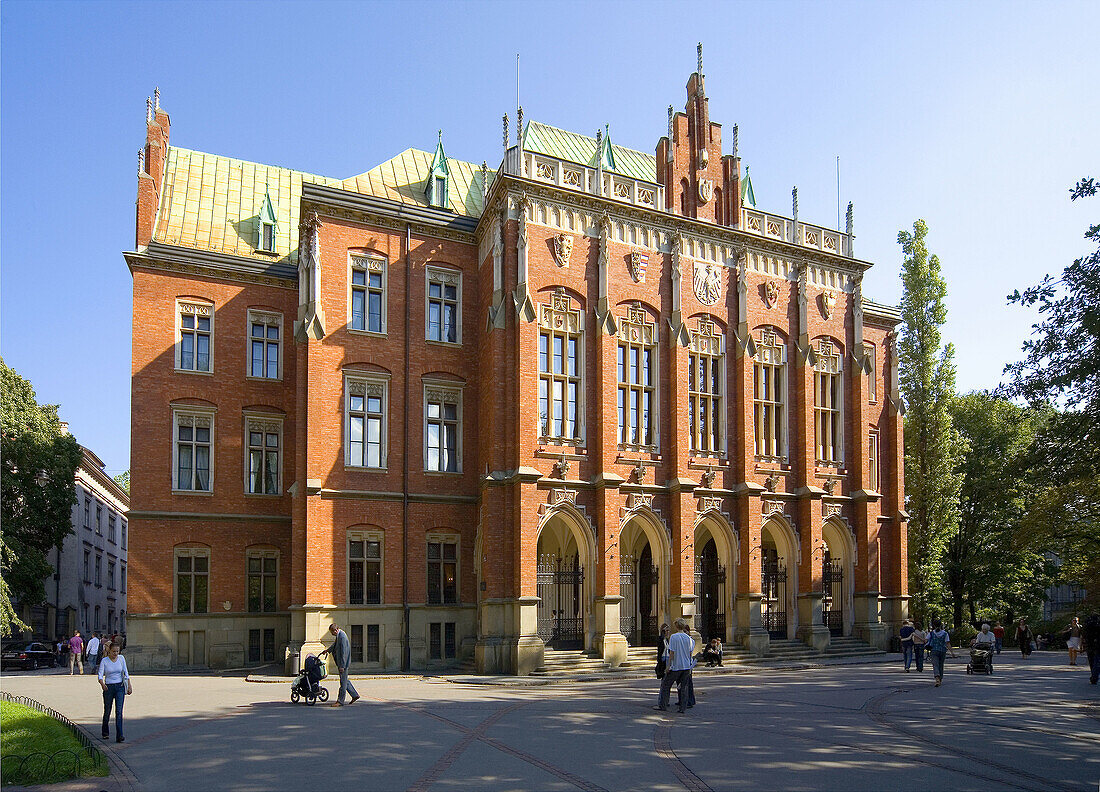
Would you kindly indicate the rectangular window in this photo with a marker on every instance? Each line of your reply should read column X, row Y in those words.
column 442, row 573
column 365, row 417
column 827, row 416
column 87, row 512
column 373, row 648
column 196, row 329
column 123, row 535
column 769, row 398
column 706, row 375
column 264, row 331
column 111, row 524
column 268, row 240
column 87, row 566
column 99, row 518
column 263, row 582
column 442, row 429
column 110, row 619
column 874, row 481
column 253, row 646
column 98, row 625
column 122, row 577
column 443, row 317
column 559, row 385
column 364, row 571
column 636, row 372
column 194, row 460
column 368, row 294
column 269, row 644
column 192, row 579
column 263, row 456
column 111, row 575
column 435, row 641
column 448, row 639
column 872, row 375
column 98, row 570
column 357, row 643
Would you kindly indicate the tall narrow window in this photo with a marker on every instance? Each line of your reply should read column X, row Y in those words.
column 442, row 426
column 267, row 241
column 111, row 533
column 99, row 518
column 357, row 643
column 637, row 371
column 442, row 573
column 872, row 375
column 560, row 367
column 873, row 480
column 98, row 570
column 364, row 571
column 263, row 456
column 827, row 401
column 706, row 374
column 443, row 305
column 111, row 575
column 366, row 423
column 770, row 396
column 194, row 441
column 373, row 653
column 263, row 580
column 87, row 566
column 122, row 577
column 123, row 535
column 87, row 512
column 264, row 331
column 368, row 294
column 192, row 577
column 196, row 327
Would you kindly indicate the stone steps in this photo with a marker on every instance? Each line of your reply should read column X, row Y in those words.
column 569, row 663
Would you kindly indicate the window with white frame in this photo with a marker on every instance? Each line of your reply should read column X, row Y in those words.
column 192, row 580
column 706, row 377
column 364, row 569
column 365, row 417
column 194, row 336
column 442, row 571
column 770, row 396
column 828, row 429
column 264, row 437
column 444, row 298
column 264, row 335
column 872, row 375
column 873, row 478
column 193, row 468
column 267, row 237
column 263, row 581
column 368, row 294
column 636, row 373
column 442, row 429
column 560, row 365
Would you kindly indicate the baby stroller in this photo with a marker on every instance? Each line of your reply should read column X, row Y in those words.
column 981, row 661
column 308, row 684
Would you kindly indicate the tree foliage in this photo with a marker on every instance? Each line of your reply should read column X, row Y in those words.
column 123, row 480
column 988, row 572
column 37, row 485
column 933, row 448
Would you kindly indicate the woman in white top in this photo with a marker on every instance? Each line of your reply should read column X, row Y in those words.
column 114, row 678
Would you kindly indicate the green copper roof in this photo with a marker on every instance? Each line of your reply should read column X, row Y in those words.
column 267, row 214
column 581, row 149
column 748, row 198
column 439, row 161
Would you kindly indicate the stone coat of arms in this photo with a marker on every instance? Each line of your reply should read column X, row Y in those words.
column 563, row 249
column 771, row 293
column 706, row 190
column 708, row 282
column 637, row 263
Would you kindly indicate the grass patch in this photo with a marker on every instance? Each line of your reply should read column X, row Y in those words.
column 54, row 754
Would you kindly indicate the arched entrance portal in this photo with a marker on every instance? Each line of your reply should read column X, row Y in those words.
column 778, row 567
column 641, row 585
column 560, row 575
column 837, row 569
column 716, row 553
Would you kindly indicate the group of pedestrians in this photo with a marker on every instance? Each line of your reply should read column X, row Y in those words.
column 75, row 652
column 675, row 661
column 935, row 643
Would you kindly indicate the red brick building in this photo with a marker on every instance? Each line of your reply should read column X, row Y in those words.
column 474, row 414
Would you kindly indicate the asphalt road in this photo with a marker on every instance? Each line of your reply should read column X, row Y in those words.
column 1033, row 725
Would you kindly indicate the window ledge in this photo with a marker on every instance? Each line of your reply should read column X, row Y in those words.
column 272, row 253
column 263, row 379
column 445, row 344
column 442, row 472
column 194, row 371
column 200, row 493
column 364, row 469
column 369, row 333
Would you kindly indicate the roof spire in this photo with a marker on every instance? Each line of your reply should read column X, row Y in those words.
column 519, row 123
column 440, row 140
column 141, row 170
column 794, row 203
column 484, row 181
column 148, row 110
column 156, row 98
column 735, row 141
column 505, row 131
column 699, row 58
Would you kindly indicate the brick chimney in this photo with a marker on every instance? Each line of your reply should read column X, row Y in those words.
column 151, row 169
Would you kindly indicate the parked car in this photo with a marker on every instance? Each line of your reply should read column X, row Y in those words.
column 27, row 654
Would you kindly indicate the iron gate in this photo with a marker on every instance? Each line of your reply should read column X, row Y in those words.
column 832, row 589
column 710, row 588
column 561, row 619
column 773, row 608
column 628, row 608
column 648, row 578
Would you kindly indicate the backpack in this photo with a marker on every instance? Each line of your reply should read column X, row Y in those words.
column 937, row 642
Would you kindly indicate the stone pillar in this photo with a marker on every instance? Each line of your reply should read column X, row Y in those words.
column 750, row 630
column 811, row 629
column 607, row 641
column 681, row 521
column 529, row 648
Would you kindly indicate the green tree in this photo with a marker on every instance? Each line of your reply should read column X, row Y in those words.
column 37, row 485
column 9, row 620
column 988, row 573
column 123, row 480
column 933, row 447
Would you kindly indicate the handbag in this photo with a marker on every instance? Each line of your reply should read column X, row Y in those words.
column 659, row 670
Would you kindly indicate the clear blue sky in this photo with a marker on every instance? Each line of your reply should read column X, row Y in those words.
column 977, row 117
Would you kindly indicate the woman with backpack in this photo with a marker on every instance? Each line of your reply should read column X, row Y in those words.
column 938, row 643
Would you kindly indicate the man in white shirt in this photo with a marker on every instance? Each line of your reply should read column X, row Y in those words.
column 681, row 648
column 93, row 650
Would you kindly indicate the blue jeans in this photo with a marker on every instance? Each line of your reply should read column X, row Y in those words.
column 937, row 659
column 997, row 644
column 907, row 653
column 115, row 694
column 918, row 655
column 678, row 678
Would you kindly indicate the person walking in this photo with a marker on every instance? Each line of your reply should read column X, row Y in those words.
column 681, row 648
column 906, row 635
column 76, row 649
column 984, row 642
column 1025, row 637
column 341, row 655
column 998, row 637
column 1073, row 640
column 938, row 644
column 62, row 648
column 114, row 678
column 920, row 641
column 1090, row 640
column 92, row 650
column 662, row 652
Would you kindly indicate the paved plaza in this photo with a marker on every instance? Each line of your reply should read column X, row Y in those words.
column 1034, row 725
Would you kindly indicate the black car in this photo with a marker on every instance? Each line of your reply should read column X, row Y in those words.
column 27, row 654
